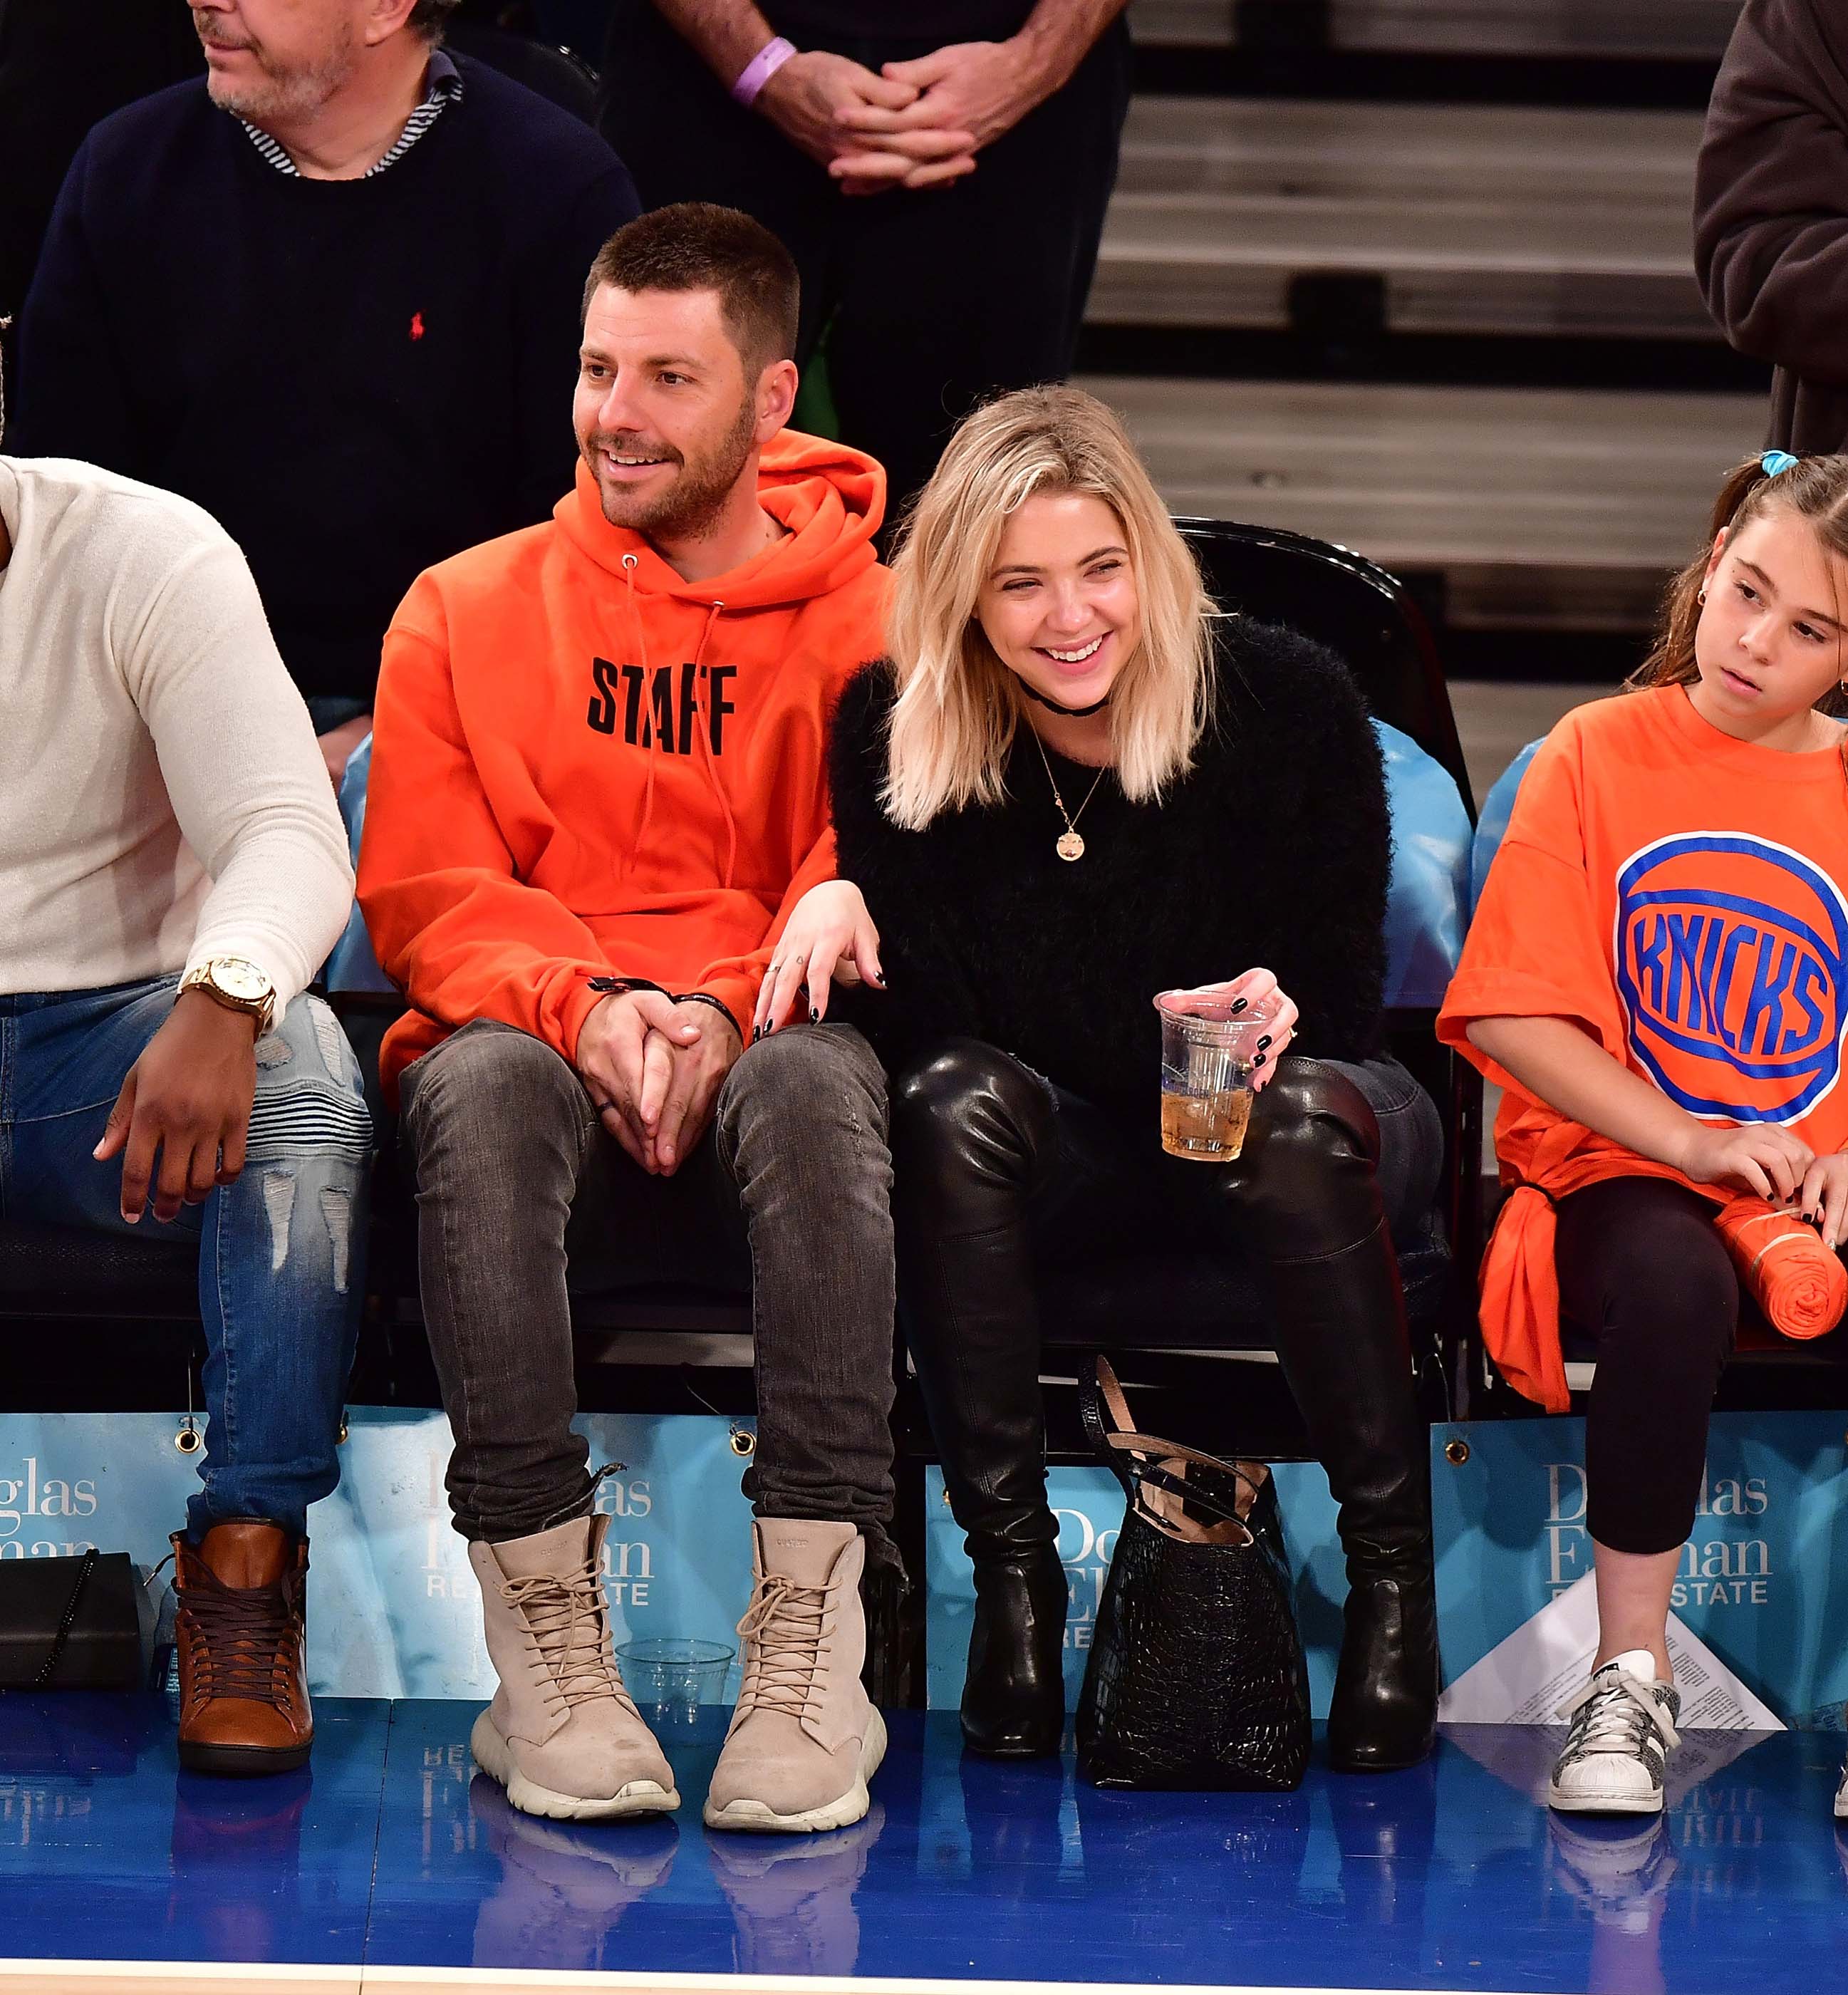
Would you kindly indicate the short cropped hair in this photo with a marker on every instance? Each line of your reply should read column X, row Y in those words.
column 696, row 245
column 427, row 16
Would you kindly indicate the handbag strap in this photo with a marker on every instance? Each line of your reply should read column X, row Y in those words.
column 1139, row 1460
column 85, row 1566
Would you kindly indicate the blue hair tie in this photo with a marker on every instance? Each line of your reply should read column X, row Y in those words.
column 1776, row 460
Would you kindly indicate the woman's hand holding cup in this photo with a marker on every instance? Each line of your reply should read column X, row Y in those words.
column 1254, row 988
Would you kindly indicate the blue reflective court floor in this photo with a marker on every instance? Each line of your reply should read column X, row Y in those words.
column 390, row 1863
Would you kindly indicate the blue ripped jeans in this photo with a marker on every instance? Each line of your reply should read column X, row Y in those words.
column 281, row 1251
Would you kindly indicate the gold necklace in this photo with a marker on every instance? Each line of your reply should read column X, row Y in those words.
column 1071, row 846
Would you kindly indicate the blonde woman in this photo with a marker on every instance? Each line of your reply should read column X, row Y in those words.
column 1074, row 785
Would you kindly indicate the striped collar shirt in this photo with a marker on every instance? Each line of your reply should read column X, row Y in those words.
column 442, row 87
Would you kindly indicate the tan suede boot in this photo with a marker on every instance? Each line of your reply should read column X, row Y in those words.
column 562, row 1735
column 805, row 1738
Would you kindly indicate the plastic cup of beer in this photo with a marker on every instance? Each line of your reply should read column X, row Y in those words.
column 1207, row 1054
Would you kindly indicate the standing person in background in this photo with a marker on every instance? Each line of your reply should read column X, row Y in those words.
column 939, row 171
column 1771, row 211
column 331, row 293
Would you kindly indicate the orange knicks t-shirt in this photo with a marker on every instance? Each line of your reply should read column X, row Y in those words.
column 1683, row 898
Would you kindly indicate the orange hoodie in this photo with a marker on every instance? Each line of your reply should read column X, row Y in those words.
column 583, row 766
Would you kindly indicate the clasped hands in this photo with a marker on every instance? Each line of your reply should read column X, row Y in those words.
column 654, row 1068
column 915, row 124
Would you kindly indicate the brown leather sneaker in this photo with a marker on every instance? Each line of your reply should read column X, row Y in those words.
column 242, row 1629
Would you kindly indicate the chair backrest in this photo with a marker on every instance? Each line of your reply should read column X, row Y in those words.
column 353, row 966
column 1346, row 602
column 1491, row 826
column 1427, row 904
column 557, row 74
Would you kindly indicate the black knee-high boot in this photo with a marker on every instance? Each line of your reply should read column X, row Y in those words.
column 967, row 1129
column 1302, row 1203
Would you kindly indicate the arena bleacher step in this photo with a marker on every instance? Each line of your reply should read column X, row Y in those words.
column 1670, row 30
column 1557, row 509
column 1472, row 218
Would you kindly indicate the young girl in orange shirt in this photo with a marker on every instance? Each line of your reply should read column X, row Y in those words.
column 1656, row 976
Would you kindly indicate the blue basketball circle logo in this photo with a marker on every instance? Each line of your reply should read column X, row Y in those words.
column 1730, row 953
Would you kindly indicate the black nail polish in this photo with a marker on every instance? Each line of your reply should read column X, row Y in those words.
column 757, row 1032
column 814, row 1016
column 1237, row 1004
column 1263, row 1042
column 1259, row 1061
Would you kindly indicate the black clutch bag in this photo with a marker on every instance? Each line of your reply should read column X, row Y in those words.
column 71, row 1623
column 1197, row 1678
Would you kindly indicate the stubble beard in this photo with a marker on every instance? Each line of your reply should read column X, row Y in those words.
column 693, row 504
column 282, row 96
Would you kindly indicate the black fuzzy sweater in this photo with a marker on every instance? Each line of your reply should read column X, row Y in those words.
column 1275, row 851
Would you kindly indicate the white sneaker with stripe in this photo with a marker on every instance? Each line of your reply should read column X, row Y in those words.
column 1623, row 1731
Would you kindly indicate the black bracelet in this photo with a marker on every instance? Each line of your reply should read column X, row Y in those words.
column 706, row 997
column 621, row 987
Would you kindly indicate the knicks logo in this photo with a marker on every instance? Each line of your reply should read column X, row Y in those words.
column 1730, row 953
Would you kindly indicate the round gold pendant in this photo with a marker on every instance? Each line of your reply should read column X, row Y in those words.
column 1071, row 846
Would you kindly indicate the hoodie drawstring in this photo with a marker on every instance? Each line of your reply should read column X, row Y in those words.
column 641, row 648
column 704, row 731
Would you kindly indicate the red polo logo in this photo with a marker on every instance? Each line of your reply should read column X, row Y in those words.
column 417, row 325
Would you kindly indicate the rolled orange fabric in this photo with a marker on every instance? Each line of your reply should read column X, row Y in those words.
column 1800, row 1285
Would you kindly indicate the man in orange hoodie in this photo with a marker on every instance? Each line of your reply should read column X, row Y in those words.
column 598, row 786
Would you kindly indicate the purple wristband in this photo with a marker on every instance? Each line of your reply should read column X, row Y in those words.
column 761, row 68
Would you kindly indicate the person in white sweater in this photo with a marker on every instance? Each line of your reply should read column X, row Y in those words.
column 173, row 868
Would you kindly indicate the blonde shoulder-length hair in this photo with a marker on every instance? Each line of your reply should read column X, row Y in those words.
column 958, row 706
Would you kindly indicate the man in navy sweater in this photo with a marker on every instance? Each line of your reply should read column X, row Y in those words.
column 332, row 293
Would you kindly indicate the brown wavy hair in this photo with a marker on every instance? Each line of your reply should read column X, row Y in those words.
column 1815, row 489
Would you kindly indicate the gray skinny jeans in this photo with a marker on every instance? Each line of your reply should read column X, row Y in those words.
column 785, row 1198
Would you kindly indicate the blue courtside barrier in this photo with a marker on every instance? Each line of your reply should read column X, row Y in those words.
column 395, row 1610
column 1760, row 1582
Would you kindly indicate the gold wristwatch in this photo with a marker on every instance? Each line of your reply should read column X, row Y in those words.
column 237, row 984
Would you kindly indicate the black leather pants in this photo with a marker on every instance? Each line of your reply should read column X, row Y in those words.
column 978, row 1153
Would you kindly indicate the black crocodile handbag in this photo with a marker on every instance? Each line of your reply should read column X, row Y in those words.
column 1197, row 1678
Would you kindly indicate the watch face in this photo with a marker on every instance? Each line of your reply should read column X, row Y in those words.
column 237, row 978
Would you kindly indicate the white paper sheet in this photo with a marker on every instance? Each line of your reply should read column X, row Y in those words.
column 1526, row 1677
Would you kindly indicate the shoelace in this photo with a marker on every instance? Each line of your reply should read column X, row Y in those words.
column 565, row 1614
column 242, row 1647
column 786, row 1622
column 1614, row 1714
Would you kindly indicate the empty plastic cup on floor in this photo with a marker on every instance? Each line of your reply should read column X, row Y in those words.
column 671, row 1676
column 1207, row 1051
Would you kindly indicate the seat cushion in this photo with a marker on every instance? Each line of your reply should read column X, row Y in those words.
column 60, row 1271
